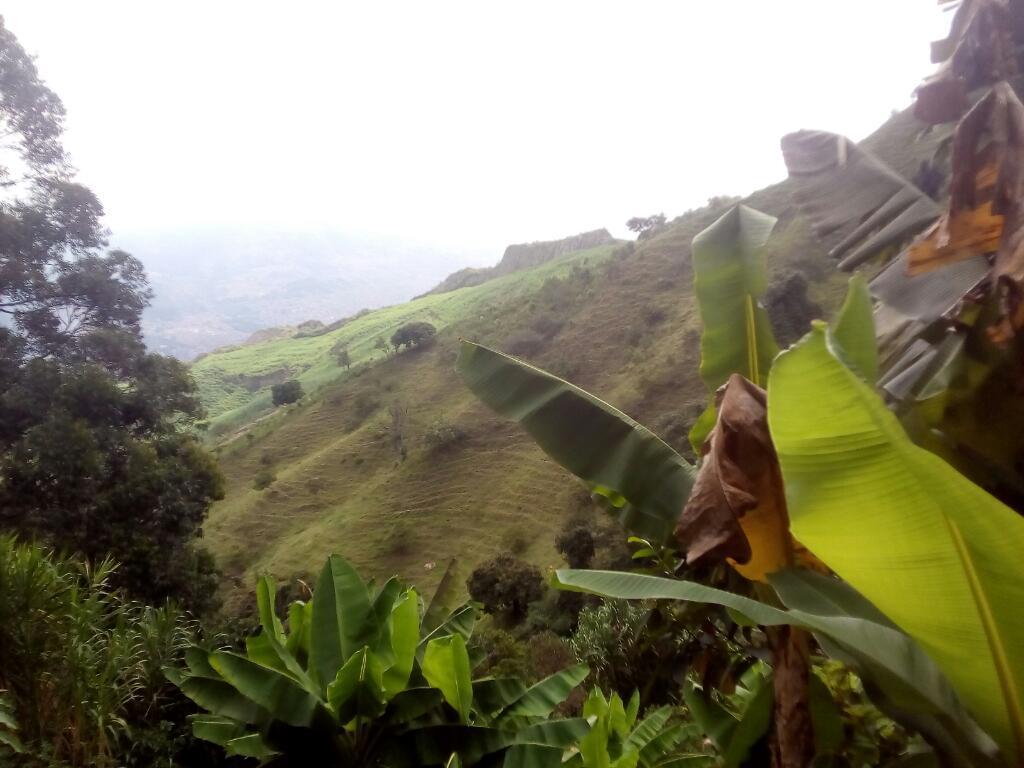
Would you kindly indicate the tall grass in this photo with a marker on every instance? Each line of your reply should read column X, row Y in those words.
column 80, row 664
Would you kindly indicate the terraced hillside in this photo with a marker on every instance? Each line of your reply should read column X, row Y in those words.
column 620, row 321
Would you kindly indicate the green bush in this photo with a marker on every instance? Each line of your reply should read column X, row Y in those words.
column 417, row 334
column 506, row 586
column 286, row 392
column 363, row 406
column 441, row 435
column 264, row 479
column 525, row 344
column 82, row 665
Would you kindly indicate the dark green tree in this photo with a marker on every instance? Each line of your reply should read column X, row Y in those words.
column 506, row 586
column 97, row 453
column 418, row 334
column 286, row 392
column 576, row 544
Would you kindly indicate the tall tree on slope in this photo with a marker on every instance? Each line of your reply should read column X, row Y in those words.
column 96, row 448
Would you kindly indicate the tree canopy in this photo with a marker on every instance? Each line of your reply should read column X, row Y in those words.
column 411, row 335
column 97, row 453
column 286, row 392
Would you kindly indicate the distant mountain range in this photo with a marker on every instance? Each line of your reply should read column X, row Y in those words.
column 215, row 288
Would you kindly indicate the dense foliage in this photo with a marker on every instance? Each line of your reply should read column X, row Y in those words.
column 416, row 334
column 360, row 678
column 81, row 665
column 505, row 586
column 287, row 392
column 96, row 454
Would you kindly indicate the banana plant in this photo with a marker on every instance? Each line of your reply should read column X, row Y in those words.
column 619, row 738
column 936, row 553
column 901, row 678
column 730, row 277
column 356, row 680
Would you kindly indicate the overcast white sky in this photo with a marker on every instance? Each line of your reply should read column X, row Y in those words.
column 460, row 124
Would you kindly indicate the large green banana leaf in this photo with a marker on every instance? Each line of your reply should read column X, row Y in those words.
column 937, row 554
column 729, row 277
column 615, row 455
column 446, row 598
column 446, row 667
column 541, row 698
column 341, row 605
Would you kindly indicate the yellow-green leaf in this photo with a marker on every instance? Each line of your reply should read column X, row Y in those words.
column 854, row 330
column 935, row 553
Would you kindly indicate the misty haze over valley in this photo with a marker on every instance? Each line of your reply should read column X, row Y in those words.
column 216, row 287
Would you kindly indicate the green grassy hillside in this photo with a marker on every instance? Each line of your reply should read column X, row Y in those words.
column 234, row 384
column 619, row 321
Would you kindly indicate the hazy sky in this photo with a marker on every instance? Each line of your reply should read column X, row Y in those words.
column 467, row 125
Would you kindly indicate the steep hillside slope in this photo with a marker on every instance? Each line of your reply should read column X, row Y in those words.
column 234, row 383
column 625, row 327
column 621, row 322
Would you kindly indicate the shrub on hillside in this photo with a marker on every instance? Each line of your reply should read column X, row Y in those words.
column 646, row 226
column 309, row 328
column 341, row 355
column 506, row 586
column 576, row 545
column 363, row 406
column 790, row 309
column 399, row 538
column 654, row 316
column 264, row 479
column 441, row 435
column 417, row 334
column 396, row 432
column 286, row 392
column 519, row 543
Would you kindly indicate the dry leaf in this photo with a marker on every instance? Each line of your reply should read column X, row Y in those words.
column 737, row 509
column 978, row 51
column 986, row 207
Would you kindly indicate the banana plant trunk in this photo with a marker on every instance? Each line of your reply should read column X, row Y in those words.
column 737, row 511
column 792, row 744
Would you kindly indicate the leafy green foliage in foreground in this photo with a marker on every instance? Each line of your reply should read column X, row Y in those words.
column 95, row 452
column 878, row 510
column 360, row 679
column 80, row 677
